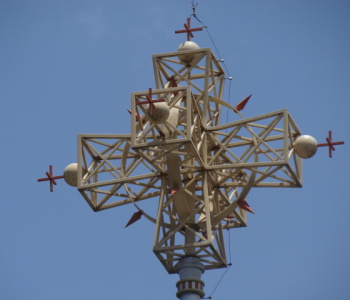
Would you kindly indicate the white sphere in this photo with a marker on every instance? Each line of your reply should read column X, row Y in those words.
column 160, row 112
column 188, row 45
column 71, row 174
column 305, row 146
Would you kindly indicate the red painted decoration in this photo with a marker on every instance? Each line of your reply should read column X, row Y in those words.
column 150, row 101
column 135, row 217
column 330, row 144
column 242, row 104
column 244, row 205
column 51, row 178
column 188, row 29
column 173, row 83
column 174, row 189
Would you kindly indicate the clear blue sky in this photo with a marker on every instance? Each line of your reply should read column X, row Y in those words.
column 69, row 67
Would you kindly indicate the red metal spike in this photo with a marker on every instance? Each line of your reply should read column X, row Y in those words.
column 242, row 104
column 138, row 117
column 188, row 29
column 244, row 205
column 330, row 144
column 50, row 178
column 135, row 217
column 173, row 83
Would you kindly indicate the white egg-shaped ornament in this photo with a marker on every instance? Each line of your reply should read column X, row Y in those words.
column 70, row 174
column 188, row 45
column 159, row 113
column 305, row 146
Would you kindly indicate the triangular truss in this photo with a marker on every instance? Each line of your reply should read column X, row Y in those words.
column 263, row 145
column 109, row 167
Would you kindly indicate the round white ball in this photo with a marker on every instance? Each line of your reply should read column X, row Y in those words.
column 188, row 45
column 71, row 174
column 160, row 112
column 305, row 146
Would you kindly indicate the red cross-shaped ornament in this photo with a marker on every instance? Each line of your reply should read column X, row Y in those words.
column 188, row 29
column 51, row 178
column 150, row 101
column 330, row 144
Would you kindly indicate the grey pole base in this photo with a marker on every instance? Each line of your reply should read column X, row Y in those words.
column 190, row 286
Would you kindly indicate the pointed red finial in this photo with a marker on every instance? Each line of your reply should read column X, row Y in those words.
column 243, row 103
column 138, row 117
column 188, row 29
column 50, row 178
column 135, row 217
column 174, row 189
column 244, row 205
column 330, row 143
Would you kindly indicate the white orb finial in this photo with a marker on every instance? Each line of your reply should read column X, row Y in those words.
column 160, row 112
column 71, row 174
column 188, row 45
column 305, row 146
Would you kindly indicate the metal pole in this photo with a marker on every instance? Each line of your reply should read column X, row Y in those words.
column 190, row 286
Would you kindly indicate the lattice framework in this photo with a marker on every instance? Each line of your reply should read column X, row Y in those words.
column 200, row 170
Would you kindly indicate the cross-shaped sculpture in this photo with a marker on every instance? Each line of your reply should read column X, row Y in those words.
column 199, row 169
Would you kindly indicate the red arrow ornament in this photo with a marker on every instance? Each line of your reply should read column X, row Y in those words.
column 135, row 217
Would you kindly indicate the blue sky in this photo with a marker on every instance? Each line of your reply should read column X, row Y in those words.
column 69, row 67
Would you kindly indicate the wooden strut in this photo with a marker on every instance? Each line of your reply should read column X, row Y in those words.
column 51, row 178
column 330, row 144
column 188, row 29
